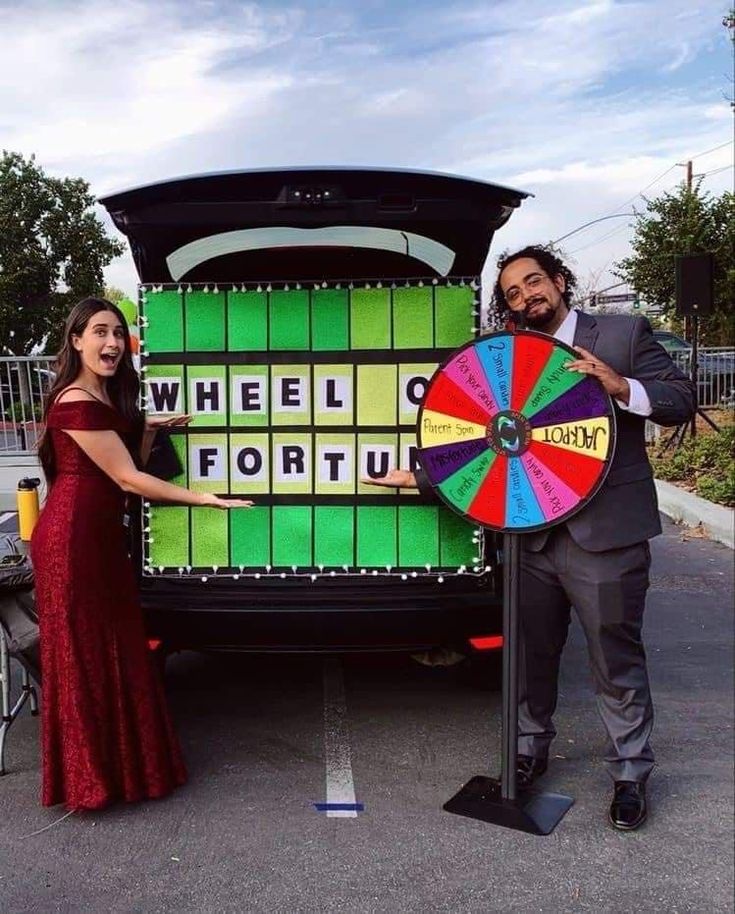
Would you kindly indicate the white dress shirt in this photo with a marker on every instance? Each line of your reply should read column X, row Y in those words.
column 639, row 403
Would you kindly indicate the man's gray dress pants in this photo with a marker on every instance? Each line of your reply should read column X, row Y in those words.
column 608, row 591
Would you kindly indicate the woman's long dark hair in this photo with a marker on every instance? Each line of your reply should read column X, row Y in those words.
column 123, row 387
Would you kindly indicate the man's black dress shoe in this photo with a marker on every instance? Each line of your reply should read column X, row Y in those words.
column 529, row 770
column 628, row 808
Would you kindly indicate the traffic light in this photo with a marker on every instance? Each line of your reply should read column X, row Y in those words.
column 637, row 303
column 593, row 300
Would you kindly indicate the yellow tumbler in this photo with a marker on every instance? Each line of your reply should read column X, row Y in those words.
column 27, row 498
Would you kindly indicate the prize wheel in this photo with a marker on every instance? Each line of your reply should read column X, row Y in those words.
column 509, row 438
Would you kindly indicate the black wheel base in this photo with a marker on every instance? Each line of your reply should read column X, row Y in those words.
column 532, row 811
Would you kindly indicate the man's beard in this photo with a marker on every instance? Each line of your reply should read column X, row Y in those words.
column 542, row 316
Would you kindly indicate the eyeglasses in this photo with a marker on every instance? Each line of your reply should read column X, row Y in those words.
column 532, row 284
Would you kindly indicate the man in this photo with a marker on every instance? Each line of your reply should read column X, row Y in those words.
column 599, row 559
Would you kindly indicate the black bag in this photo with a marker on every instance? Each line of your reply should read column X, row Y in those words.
column 18, row 616
column 163, row 461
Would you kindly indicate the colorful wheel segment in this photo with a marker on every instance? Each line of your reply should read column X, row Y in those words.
column 510, row 438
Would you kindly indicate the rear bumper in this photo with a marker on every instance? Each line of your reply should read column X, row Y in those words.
column 370, row 615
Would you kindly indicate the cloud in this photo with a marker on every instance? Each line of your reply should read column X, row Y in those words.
column 104, row 80
column 582, row 103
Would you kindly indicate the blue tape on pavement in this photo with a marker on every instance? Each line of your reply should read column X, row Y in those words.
column 342, row 807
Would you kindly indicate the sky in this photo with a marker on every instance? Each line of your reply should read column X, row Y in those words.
column 584, row 103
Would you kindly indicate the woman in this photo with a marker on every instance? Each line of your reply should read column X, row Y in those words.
column 106, row 731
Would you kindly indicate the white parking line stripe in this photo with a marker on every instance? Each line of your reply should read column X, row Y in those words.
column 340, row 785
column 6, row 516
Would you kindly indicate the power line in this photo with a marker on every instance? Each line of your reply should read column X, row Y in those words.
column 640, row 192
column 615, row 231
column 714, row 149
column 715, row 171
column 587, row 224
column 644, row 189
column 670, row 168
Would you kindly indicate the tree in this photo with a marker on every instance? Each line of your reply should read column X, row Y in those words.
column 113, row 294
column 685, row 221
column 53, row 249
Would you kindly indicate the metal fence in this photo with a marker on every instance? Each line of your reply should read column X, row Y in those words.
column 715, row 374
column 23, row 385
column 24, row 382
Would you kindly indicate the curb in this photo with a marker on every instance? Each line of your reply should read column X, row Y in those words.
column 685, row 507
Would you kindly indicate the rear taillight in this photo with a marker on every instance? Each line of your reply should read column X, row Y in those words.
column 488, row 643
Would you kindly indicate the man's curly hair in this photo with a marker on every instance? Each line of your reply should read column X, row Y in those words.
column 549, row 261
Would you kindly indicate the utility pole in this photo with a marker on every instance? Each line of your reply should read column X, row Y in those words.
column 690, row 172
column 690, row 176
column 729, row 23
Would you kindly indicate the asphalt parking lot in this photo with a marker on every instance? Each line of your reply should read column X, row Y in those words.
column 267, row 739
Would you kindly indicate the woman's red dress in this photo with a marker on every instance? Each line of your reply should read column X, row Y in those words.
column 106, row 732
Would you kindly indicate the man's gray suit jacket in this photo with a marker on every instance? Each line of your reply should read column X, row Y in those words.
column 625, row 509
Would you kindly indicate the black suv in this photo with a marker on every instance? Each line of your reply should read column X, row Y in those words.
column 258, row 233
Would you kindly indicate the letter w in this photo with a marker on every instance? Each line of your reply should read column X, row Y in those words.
column 165, row 395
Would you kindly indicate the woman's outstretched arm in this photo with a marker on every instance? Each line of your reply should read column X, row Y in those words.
column 107, row 450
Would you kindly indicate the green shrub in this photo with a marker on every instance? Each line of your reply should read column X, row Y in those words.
column 717, row 490
column 17, row 412
column 704, row 464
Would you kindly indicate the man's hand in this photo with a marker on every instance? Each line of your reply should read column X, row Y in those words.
column 153, row 423
column 224, row 504
column 614, row 384
column 395, row 479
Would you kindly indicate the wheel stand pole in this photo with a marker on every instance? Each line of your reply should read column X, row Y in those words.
column 499, row 801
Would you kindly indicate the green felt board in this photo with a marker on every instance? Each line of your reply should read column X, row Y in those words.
column 418, row 535
column 405, row 441
column 166, row 371
column 334, row 535
column 413, row 318
column 370, row 322
column 178, row 440
column 329, row 320
column 250, row 536
column 453, row 320
column 292, row 484
column 324, row 416
column 326, row 486
column 376, row 395
column 289, row 319
column 169, row 529
column 408, row 411
column 376, row 536
column 455, row 540
column 163, row 312
column 209, row 539
column 215, row 482
column 207, row 371
column 204, row 313
column 238, row 419
column 380, row 440
column 292, row 535
column 296, row 416
column 247, row 321
column 247, row 486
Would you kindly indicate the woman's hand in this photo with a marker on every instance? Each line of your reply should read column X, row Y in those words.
column 213, row 501
column 153, row 423
column 395, row 479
